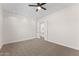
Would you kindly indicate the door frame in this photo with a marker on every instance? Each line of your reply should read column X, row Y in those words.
column 45, row 34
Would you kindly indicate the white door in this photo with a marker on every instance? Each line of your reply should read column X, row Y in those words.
column 43, row 29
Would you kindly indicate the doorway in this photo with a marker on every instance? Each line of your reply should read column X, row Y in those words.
column 43, row 29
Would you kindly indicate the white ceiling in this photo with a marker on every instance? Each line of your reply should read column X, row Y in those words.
column 24, row 10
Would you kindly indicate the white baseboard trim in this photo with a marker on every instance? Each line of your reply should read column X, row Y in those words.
column 19, row 40
column 62, row 44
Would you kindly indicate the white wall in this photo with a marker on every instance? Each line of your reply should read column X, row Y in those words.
column 17, row 28
column 0, row 26
column 63, row 27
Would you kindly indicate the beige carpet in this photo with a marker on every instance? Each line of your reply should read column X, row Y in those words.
column 37, row 47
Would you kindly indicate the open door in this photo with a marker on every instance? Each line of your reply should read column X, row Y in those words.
column 43, row 29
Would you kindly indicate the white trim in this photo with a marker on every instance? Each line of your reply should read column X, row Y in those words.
column 18, row 40
column 62, row 44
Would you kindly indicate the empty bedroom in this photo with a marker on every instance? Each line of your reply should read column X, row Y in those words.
column 39, row 29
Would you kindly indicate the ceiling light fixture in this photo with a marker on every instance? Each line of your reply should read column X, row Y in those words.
column 39, row 8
